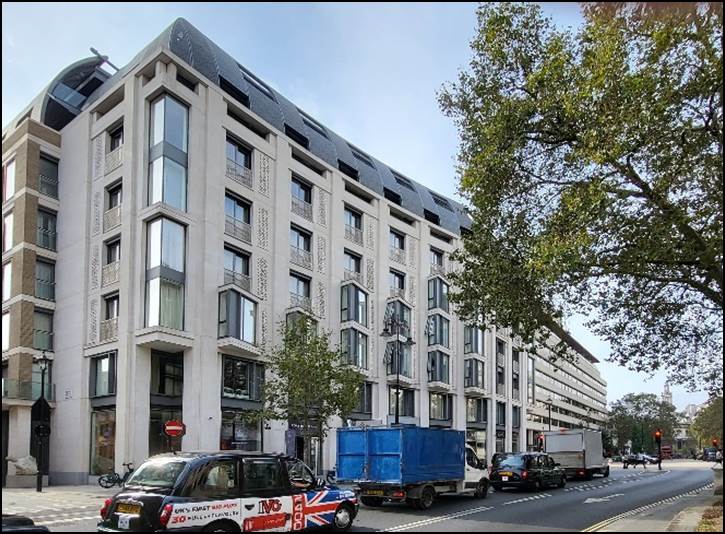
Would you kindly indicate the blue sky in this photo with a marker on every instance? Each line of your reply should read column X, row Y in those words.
column 368, row 71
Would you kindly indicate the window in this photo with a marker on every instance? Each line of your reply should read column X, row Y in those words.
column 397, row 351
column 237, row 316
column 166, row 245
column 103, row 440
column 239, row 154
column 48, row 176
column 248, row 320
column 7, row 232
column 263, row 475
column 218, row 481
column 6, row 331
column 46, row 229
column 169, row 122
column 165, row 278
column 438, row 327
column 165, row 304
column 167, row 183
column 352, row 262
column 312, row 123
column 473, row 374
column 402, row 181
column 43, row 330
column 476, row 410
column 406, row 402
column 236, row 268
column 501, row 414
column 397, row 308
column 436, row 257
column 111, row 307
column 438, row 367
column 472, row 340
column 301, row 191
column 299, row 285
column 115, row 138
column 238, row 209
column 242, row 379
column 361, row 156
column 354, row 347
column 515, row 416
column 239, row 434
column 44, row 280
column 114, row 196
column 113, row 251
column 7, row 280
column 103, row 375
column 441, row 406
column 8, row 180
column 299, row 239
column 531, row 381
column 515, row 368
column 397, row 240
column 397, row 281
column 167, row 374
column 353, row 219
column 437, row 294
column 353, row 304
column 365, row 399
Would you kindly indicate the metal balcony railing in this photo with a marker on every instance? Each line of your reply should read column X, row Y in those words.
column 353, row 275
column 300, row 301
column 110, row 273
column 47, row 238
column 301, row 257
column 240, row 174
column 42, row 340
column 238, row 228
column 26, row 390
column 397, row 292
column 48, row 186
column 240, row 279
column 109, row 329
column 44, row 289
column 353, row 234
column 500, row 389
column 397, row 254
column 112, row 218
column 302, row 208
column 437, row 269
column 114, row 159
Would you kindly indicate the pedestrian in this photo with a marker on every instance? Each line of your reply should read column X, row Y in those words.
column 718, row 457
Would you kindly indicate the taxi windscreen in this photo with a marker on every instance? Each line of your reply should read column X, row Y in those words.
column 157, row 474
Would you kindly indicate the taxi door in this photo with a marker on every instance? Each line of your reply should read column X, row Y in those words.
column 266, row 496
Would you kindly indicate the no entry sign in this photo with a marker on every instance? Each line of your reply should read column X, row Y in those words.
column 174, row 429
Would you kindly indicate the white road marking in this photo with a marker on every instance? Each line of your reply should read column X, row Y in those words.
column 68, row 520
column 433, row 520
column 607, row 498
column 527, row 499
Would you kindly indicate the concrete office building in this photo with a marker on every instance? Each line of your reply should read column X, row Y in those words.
column 167, row 218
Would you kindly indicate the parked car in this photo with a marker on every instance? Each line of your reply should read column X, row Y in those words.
column 634, row 460
column 19, row 523
column 652, row 459
column 709, row 454
column 229, row 491
column 529, row 470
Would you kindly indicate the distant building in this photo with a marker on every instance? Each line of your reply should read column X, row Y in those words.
column 667, row 394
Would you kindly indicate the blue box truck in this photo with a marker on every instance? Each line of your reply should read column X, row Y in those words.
column 408, row 464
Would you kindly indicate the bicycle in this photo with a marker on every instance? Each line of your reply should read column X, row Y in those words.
column 113, row 478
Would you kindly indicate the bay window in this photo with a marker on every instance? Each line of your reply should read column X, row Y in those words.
column 438, row 367
column 165, row 274
column 168, row 152
column 354, row 347
column 438, row 328
column 353, row 304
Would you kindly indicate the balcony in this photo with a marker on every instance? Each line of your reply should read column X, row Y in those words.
column 302, row 208
column 114, row 159
column 112, row 218
column 47, row 238
column 44, row 289
column 43, row 340
column 110, row 274
column 354, row 234
column 501, row 389
column 239, row 229
column 26, row 390
column 353, row 275
column 48, row 186
column 240, row 174
column 397, row 293
column 301, row 257
column 109, row 329
column 300, row 301
column 397, row 254
column 437, row 269
column 239, row 279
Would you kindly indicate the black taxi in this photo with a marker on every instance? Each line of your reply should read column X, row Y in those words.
column 530, row 470
column 227, row 491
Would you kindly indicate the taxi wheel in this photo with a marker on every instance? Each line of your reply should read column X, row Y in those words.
column 343, row 518
column 221, row 526
column 481, row 489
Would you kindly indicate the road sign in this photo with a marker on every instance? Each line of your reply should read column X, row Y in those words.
column 174, row 428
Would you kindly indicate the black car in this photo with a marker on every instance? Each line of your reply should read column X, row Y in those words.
column 229, row 491
column 530, row 470
column 19, row 523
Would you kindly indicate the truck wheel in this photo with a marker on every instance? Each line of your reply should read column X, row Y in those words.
column 606, row 472
column 562, row 482
column 343, row 518
column 589, row 475
column 373, row 502
column 481, row 489
column 427, row 498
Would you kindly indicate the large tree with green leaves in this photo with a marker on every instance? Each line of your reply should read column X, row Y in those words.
column 708, row 423
column 592, row 163
column 308, row 382
column 635, row 417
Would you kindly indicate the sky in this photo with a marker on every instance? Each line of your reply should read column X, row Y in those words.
column 370, row 72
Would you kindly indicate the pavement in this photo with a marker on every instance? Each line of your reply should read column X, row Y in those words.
column 628, row 500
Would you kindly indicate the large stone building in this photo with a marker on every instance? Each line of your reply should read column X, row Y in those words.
column 161, row 222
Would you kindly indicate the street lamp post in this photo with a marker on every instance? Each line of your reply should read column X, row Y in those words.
column 549, row 401
column 394, row 325
column 43, row 364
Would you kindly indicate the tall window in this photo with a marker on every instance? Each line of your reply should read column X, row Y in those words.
column 44, row 280
column 472, row 340
column 399, row 355
column 7, row 280
column 353, row 219
column 515, row 370
column 365, row 399
column 242, row 379
column 103, row 375
column 43, row 329
column 299, row 239
column 167, row 375
column 7, row 232
column 48, row 176
column 236, row 268
column 113, row 251
column 115, row 196
column 237, row 316
column 438, row 367
column 115, row 138
column 436, row 257
column 239, row 154
column 515, row 416
column 531, row 381
column 473, row 373
column 501, row 414
column 237, row 209
column 111, row 304
column 354, row 304
column 299, row 285
column 354, row 347
column 301, row 191
column 46, row 229
column 437, row 294
column 405, row 399
column 397, row 240
column 168, row 147
column 165, row 274
column 500, row 367
column 352, row 262
column 476, row 410
column 441, row 407
column 397, row 281
column 397, row 308
column 6, row 331
column 438, row 327
column 8, row 179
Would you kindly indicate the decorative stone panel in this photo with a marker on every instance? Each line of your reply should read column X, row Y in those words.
column 98, row 157
column 370, row 269
column 97, row 212
column 371, row 236
column 264, row 166
column 321, row 253
column 93, row 320
column 321, row 299
column 412, row 290
column 95, row 266
column 262, row 278
column 265, row 327
column 322, row 208
column 412, row 250
column 263, row 228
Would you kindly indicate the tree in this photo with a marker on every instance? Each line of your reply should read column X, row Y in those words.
column 308, row 383
column 591, row 161
column 636, row 417
column 708, row 423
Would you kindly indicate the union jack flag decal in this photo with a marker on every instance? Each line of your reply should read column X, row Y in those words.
column 314, row 508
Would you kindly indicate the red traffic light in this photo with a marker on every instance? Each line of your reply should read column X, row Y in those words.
column 714, row 442
column 658, row 434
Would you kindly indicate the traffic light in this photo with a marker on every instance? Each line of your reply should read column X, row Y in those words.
column 715, row 442
column 658, row 436
column 541, row 442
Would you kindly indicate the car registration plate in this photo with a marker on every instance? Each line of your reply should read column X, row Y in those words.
column 505, row 473
column 126, row 508
column 374, row 492
column 505, row 479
